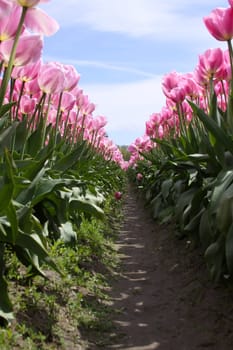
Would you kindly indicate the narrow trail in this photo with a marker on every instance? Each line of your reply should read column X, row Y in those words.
column 163, row 296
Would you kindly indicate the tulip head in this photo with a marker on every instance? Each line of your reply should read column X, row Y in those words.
column 30, row 3
column 139, row 176
column 220, row 23
column 118, row 195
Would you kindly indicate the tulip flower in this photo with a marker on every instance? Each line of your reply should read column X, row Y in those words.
column 51, row 78
column 220, row 23
column 139, row 176
column 9, row 23
column 39, row 22
column 27, row 72
column 28, row 50
column 5, row 8
column 30, row 3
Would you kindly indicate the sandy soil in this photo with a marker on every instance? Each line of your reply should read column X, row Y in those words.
column 163, row 295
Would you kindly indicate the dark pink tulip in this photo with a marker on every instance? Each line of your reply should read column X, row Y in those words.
column 28, row 50
column 177, row 94
column 139, row 176
column 169, row 82
column 220, row 23
column 27, row 104
column 211, row 65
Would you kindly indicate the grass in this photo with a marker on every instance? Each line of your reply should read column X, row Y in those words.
column 71, row 311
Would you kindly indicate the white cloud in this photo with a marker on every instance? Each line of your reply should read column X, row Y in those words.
column 127, row 106
column 104, row 65
column 160, row 19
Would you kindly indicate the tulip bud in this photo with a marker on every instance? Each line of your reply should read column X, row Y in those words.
column 139, row 176
column 118, row 195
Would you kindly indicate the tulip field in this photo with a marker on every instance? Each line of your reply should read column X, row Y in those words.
column 184, row 162
column 58, row 167
column 61, row 177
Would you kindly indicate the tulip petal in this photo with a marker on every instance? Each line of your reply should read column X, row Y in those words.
column 40, row 22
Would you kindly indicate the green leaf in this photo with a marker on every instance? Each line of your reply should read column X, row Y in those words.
column 33, row 244
column 5, row 108
column 68, row 235
column 215, row 256
column 12, row 217
column 6, row 309
column 205, row 230
column 213, row 127
column 68, row 161
column 20, row 135
column 229, row 249
column 166, row 188
column 223, row 181
column 7, row 182
column 6, row 137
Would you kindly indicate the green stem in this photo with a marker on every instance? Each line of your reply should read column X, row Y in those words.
column 7, row 73
column 45, row 122
column 74, row 129
column 57, row 119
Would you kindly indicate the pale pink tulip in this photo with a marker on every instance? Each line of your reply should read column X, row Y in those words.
column 27, row 72
column 220, row 23
column 9, row 23
column 5, row 8
column 71, row 77
column 99, row 122
column 28, row 50
column 30, row 3
column 51, row 78
column 67, row 101
column 39, row 22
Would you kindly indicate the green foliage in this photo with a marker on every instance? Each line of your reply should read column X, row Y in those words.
column 190, row 179
column 45, row 194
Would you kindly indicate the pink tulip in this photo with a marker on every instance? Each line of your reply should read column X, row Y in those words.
column 67, row 101
column 9, row 22
column 139, row 176
column 5, row 8
column 51, row 78
column 27, row 72
column 39, row 22
column 211, row 65
column 27, row 104
column 169, row 82
column 28, row 50
column 220, row 23
column 230, row 3
column 99, row 122
column 71, row 77
column 30, row 3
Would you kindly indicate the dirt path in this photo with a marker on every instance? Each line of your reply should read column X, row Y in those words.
column 163, row 296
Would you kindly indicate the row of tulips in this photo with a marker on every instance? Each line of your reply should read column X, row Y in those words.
column 184, row 161
column 57, row 164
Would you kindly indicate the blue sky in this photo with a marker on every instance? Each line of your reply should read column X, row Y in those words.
column 123, row 48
